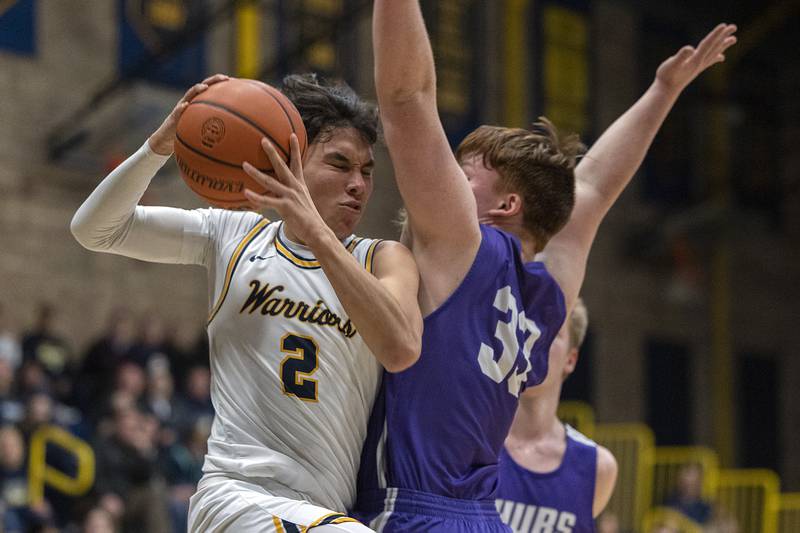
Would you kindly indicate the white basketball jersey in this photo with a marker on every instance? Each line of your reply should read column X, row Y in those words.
column 292, row 381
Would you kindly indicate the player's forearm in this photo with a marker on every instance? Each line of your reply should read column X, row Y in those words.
column 393, row 336
column 614, row 158
column 111, row 206
column 404, row 68
column 111, row 221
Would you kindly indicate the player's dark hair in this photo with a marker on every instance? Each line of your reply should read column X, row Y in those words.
column 538, row 164
column 327, row 105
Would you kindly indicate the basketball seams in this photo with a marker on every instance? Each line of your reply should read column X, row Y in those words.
column 269, row 90
column 247, row 120
column 214, row 159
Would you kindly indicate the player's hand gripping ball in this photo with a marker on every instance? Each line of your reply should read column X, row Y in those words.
column 223, row 127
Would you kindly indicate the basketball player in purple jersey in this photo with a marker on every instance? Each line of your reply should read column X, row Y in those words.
column 552, row 478
column 491, row 311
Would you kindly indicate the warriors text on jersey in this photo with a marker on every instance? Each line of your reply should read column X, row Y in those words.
column 554, row 502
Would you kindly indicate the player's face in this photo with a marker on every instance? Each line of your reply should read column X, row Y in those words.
column 338, row 174
column 484, row 185
column 559, row 356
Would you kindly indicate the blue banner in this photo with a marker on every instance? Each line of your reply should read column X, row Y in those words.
column 160, row 40
column 18, row 26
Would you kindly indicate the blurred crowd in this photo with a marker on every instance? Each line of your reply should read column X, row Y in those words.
column 138, row 395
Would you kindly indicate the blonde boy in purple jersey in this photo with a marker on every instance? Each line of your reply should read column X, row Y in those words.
column 540, row 483
column 416, row 472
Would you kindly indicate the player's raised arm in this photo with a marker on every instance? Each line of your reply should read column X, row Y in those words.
column 612, row 161
column 440, row 203
column 110, row 220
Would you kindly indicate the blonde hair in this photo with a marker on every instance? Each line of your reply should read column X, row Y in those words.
column 538, row 164
column 578, row 324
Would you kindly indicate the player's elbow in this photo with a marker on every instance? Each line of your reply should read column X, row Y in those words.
column 82, row 232
column 403, row 355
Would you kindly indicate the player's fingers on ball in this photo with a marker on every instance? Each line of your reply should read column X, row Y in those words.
column 258, row 201
column 267, row 180
column 278, row 164
column 297, row 157
column 216, row 78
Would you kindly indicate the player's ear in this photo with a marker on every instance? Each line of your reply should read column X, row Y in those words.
column 507, row 205
column 572, row 360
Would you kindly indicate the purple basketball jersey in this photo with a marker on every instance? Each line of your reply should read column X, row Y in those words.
column 556, row 502
column 438, row 427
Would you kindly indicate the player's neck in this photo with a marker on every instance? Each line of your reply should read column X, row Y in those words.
column 516, row 228
column 289, row 235
column 536, row 417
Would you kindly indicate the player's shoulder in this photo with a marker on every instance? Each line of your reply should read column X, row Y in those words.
column 227, row 225
column 380, row 254
column 606, row 463
column 580, row 438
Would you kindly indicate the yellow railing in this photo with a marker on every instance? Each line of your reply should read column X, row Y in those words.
column 751, row 497
column 633, row 446
column 579, row 415
column 670, row 459
column 40, row 473
column 789, row 512
column 672, row 520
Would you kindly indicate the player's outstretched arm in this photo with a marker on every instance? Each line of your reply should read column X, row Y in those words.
column 605, row 480
column 612, row 161
column 440, row 203
column 383, row 306
column 110, row 219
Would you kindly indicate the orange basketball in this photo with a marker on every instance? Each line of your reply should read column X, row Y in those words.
column 223, row 127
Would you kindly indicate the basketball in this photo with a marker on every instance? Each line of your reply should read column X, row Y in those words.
column 223, row 127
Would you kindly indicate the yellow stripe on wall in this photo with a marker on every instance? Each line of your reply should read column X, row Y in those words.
column 248, row 39
column 516, row 23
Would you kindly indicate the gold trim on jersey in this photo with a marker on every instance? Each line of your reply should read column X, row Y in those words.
column 353, row 243
column 233, row 262
column 368, row 262
column 286, row 252
column 278, row 525
column 332, row 518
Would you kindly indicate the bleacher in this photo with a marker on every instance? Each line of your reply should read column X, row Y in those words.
column 749, row 498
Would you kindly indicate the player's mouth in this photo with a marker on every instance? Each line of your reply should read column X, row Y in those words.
column 353, row 205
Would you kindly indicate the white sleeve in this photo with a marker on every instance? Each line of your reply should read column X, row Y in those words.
column 111, row 221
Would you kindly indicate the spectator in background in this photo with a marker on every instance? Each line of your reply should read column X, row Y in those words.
column 46, row 347
column 152, row 340
column 160, row 399
column 98, row 520
column 11, row 409
column 13, row 478
column 688, row 497
column 183, row 468
column 10, row 347
column 19, row 516
column 130, row 383
column 105, row 354
column 129, row 483
column 196, row 402
column 186, row 348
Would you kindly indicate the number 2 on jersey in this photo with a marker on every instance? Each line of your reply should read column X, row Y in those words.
column 298, row 366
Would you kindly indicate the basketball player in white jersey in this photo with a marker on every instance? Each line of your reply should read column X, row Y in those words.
column 303, row 314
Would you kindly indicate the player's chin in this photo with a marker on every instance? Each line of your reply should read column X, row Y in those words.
column 345, row 224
